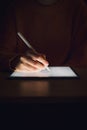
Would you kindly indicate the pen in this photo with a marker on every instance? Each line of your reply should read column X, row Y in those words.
column 28, row 44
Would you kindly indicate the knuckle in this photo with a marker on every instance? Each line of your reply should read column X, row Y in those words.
column 21, row 58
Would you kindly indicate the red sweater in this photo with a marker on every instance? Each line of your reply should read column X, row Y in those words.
column 59, row 31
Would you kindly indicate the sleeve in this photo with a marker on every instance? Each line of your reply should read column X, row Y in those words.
column 78, row 54
column 8, row 38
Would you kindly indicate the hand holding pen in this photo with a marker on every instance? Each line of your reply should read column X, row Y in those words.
column 31, row 61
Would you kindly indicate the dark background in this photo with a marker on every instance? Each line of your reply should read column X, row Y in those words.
column 4, row 4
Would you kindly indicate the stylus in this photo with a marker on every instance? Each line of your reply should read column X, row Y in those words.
column 28, row 44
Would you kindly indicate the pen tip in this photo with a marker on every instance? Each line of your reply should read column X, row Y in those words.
column 47, row 68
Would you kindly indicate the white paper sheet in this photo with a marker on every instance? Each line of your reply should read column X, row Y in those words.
column 54, row 72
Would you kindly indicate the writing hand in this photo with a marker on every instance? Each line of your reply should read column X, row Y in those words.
column 31, row 61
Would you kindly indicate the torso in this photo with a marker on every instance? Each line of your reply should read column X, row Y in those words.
column 48, row 28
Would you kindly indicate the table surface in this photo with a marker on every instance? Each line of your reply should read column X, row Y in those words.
column 48, row 90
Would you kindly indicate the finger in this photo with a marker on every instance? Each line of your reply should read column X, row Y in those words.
column 42, row 60
column 25, row 67
column 39, row 58
column 42, row 55
column 32, row 63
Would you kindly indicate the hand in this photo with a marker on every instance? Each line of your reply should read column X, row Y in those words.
column 30, row 62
